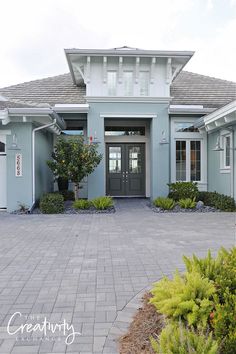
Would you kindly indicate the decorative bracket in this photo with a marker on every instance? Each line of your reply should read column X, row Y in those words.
column 104, row 69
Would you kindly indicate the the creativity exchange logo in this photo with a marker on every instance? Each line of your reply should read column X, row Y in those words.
column 43, row 327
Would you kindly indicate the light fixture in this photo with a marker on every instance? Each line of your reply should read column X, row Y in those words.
column 218, row 147
column 14, row 145
column 163, row 139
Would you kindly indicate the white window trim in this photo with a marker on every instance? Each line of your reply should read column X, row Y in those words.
column 188, row 136
column 115, row 88
column 223, row 135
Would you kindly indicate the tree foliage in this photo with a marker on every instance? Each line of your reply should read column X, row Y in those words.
column 74, row 159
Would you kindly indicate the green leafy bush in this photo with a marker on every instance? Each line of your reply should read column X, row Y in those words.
column 203, row 300
column 183, row 190
column 187, row 297
column 224, row 322
column 187, row 203
column 102, row 203
column 52, row 203
column 164, row 203
column 221, row 269
column 218, row 201
column 82, row 204
column 177, row 339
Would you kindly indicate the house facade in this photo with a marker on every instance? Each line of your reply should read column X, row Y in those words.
column 153, row 123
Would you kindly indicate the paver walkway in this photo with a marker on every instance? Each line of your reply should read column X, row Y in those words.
column 86, row 268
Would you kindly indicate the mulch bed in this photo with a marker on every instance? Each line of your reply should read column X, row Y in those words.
column 147, row 322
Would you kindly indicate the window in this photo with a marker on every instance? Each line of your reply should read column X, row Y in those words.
column 144, row 83
column 180, row 160
column 114, row 159
column 2, row 147
column 188, row 160
column 128, row 83
column 195, row 160
column 111, row 82
column 226, row 151
column 185, row 127
column 121, row 131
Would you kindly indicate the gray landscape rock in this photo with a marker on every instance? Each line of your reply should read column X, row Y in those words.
column 199, row 205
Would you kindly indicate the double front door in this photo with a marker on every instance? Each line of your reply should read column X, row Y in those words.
column 125, row 169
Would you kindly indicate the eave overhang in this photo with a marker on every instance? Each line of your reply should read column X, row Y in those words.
column 37, row 115
column 78, row 58
column 71, row 108
column 220, row 118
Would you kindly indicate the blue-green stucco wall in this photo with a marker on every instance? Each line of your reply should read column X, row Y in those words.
column 159, row 153
column 43, row 151
column 217, row 181
column 19, row 189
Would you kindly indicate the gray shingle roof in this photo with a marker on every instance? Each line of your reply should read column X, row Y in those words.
column 195, row 89
column 51, row 90
column 188, row 88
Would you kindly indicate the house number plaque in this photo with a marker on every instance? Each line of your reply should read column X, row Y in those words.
column 18, row 165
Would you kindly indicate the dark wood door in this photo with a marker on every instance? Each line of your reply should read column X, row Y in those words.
column 125, row 169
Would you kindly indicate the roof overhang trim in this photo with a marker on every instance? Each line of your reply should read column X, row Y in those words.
column 71, row 108
column 6, row 115
column 221, row 117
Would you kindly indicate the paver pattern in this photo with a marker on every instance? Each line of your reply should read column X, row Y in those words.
column 87, row 268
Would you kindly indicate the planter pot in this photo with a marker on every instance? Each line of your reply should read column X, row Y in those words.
column 62, row 183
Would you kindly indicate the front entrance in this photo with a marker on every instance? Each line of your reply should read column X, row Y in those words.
column 125, row 169
column 3, row 172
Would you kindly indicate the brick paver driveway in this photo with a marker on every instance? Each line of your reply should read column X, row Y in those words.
column 86, row 268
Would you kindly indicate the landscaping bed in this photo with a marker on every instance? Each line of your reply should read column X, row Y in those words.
column 193, row 312
column 147, row 322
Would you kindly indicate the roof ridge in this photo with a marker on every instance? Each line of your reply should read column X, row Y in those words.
column 207, row 76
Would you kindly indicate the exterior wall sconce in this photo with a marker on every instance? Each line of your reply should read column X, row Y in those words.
column 218, row 147
column 163, row 138
column 14, row 145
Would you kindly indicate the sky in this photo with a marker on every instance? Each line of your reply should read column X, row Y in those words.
column 34, row 33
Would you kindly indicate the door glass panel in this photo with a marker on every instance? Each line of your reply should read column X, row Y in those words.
column 114, row 159
column 195, row 156
column 180, row 160
column 2, row 147
column 135, row 160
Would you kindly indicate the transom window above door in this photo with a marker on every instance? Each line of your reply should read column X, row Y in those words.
column 124, row 131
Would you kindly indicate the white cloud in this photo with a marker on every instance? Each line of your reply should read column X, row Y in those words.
column 36, row 32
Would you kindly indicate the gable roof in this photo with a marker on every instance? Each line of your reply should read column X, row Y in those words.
column 187, row 89
column 195, row 89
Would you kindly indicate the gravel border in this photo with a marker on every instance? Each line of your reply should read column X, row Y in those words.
column 68, row 210
column 178, row 209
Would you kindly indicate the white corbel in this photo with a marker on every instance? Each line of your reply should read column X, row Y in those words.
column 153, row 70
column 175, row 70
column 104, row 69
column 88, row 70
column 137, row 70
column 120, row 69
column 168, row 71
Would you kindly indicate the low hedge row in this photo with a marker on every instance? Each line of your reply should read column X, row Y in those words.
column 218, row 201
column 184, row 190
column 51, row 203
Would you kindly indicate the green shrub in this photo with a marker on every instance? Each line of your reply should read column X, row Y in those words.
column 187, row 203
column 81, row 204
column 177, row 339
column 102, row 203
column 188, row 297
column 164, row 203
column 221, row 269
column 218, row 201
column 224, row 322
column 52, row 203
column 183, row 190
